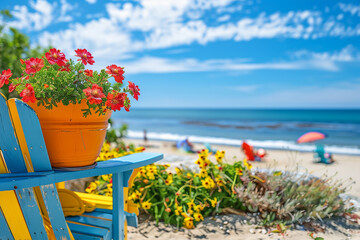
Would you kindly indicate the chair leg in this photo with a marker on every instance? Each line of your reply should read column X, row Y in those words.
column 118, row 206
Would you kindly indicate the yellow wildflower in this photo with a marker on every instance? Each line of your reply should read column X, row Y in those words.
column 178, row 171
column 198, row 217
column 151, row 168
column 213, row 202
column 219, row 155
column 219, row 181
column 166, row 166
column 208, row 183
column 178, row 210
column 146, row 205
column 142, row 172
column 205, row 164
column 203, row 173
column 198, row 208
column 246, row 164
column 92, row 186
column 150, row 175
column 191, row 204
column 139, row 149
column 189, row 222
column 169, row 179
column 239, row 171
column 199, row 161
column 190, row 211
column 204, row 153
column 135, row 195
column 106, row 177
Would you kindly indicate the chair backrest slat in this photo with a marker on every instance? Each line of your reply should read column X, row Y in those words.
column 4, row 228
column 8, row 142
column 31, row 212
column 27, row 125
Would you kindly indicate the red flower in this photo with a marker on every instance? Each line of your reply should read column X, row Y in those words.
column 12, row 87
column 66, row 68
column 4, row 77
column 85, row 56
column 116, row 72
column 134, row 90
column 28, row 93
column 22, row 61
column 55, row 56
column 94, row 94
column 115, row 100
column 88, row 73
column 46, row 85
column 34, row 65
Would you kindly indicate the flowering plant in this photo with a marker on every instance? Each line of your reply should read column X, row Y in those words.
column 53, row 79
column 183, row 198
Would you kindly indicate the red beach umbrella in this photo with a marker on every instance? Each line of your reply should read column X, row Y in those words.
column 311, row 137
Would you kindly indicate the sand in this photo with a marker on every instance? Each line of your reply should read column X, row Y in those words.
column 346, row 167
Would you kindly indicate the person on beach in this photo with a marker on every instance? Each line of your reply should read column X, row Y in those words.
column 145, row 138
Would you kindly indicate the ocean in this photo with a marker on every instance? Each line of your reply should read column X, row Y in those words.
column 270, row 129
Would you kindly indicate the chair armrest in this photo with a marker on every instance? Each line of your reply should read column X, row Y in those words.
column 116, row 165
column 28, row 174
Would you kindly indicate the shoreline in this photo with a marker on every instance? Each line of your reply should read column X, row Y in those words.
column 283, row 145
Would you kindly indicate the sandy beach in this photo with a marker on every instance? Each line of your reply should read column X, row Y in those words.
column 346, row 167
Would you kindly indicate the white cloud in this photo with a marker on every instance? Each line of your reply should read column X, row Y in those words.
column 351, row 8
column 65, row 8
column 41, row 14
column 133, row 27
column 41, row 18
column 164, row 24
column 101, row 37
column 347, row 54
column 164, row 65
column 91, row 1
column 224, row 18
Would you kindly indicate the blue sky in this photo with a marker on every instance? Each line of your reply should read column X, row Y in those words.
column 207, row 53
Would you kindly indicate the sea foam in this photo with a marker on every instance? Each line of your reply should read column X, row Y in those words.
column 267, row 144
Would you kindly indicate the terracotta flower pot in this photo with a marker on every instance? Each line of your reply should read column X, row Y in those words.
column 71, row 139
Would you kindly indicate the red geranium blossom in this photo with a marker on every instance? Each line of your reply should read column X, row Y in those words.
column 55, row 56
column 28, row 93
column 88, row 72
column 116, row 72
column 12, row 87
column 85, row 56
column 34, row 65
column 4, row 77
column 115, row 100
column 66, row 68
column 94, row 94
column 134, row 90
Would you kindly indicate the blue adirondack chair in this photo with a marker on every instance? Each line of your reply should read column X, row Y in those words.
column 30, row 182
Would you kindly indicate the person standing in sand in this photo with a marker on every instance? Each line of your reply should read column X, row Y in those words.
column 145, row 138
